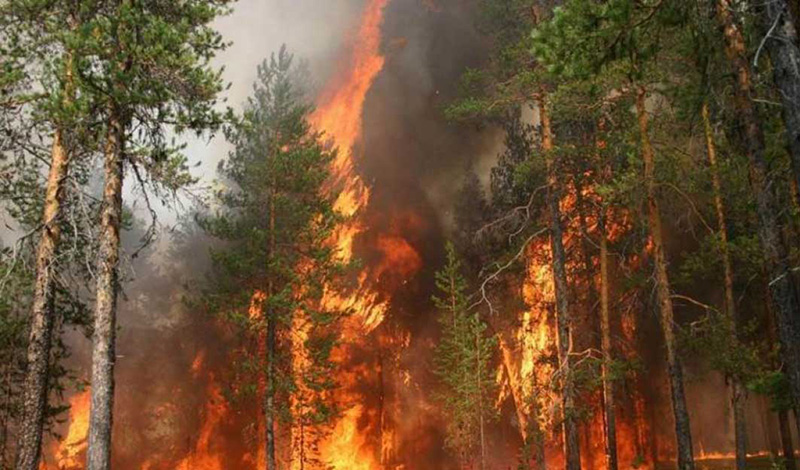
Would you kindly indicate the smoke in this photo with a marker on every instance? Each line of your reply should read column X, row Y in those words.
column 414, row 161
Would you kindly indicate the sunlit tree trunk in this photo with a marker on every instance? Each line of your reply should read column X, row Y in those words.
column 738, row 392
column 40, row 339
column 781, row 287
column 563, row 314
column 664, row 296
column 609, row 410
column 105, row 314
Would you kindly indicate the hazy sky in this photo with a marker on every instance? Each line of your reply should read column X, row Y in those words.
column 313, row 30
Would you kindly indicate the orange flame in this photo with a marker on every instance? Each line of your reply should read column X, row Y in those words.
column 68, row 452
column 339, row 115
column 204, row 456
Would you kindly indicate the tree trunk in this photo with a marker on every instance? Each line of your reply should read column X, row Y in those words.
column 35, row 389
column 738, row 391
column 683, row 432
column 269, row 405
column 481, row 424
column 787, row 448
column 781, row 43
column 105, row 314
column 779, row 276
column 563, row 316
column 42, row 313
column 603, row 170
column 609, row 411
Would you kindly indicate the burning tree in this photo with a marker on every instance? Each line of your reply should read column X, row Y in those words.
column 269, row 278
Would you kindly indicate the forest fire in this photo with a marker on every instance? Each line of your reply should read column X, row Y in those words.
column 489, row 222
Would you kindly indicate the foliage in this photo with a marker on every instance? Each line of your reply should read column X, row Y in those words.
column 462, row 362
column 274, row 218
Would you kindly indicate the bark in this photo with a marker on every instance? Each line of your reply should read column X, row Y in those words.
column 42, row 313
column 609, row 405
column 787, row 448
column 481, row 423
column 269, row 404
column 781, row 43
column 35, row 388
column 609, row 411
column 563, row 314
column 105, row 313
column 779, row 276
column 683, row 433
column 784, row 429
column 738, row 391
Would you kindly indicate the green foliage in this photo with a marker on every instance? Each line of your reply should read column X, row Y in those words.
column 462, row 361
column 584, row 36
column 775, row 385
column 274, row 219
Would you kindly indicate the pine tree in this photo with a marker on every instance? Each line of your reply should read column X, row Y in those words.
column 749, row 134
column 148, row 64
column 42, row 105
column 276, row 219
column 623, row 34
column 462, row 363
column 779, row 30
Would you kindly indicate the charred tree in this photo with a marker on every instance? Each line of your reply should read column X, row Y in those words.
column 563, row 313
column 750, row 133
column 683, row 432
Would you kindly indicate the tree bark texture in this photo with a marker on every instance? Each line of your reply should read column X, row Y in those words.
column 779, row 276
column 563, row 314
column 683, row 432
column 105, row 313
column 40, row 339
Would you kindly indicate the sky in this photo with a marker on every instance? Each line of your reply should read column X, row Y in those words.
column 314, row 30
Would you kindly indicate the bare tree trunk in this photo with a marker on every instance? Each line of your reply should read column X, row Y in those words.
column 781, row 42
column 609, row 405
column 563, row 315
column 609, row 415
column 105, row 314
column 269, row 405
column 787, row 448
column 481, row 424
column 782, row 289
column 738, row 392
column 683, row 432
column 35, row 389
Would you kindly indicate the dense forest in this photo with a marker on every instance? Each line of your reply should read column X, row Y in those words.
column 460, row 234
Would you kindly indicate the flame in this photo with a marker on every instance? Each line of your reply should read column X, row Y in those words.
column 68, row 452
column 205, row 456
column 339, row 116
